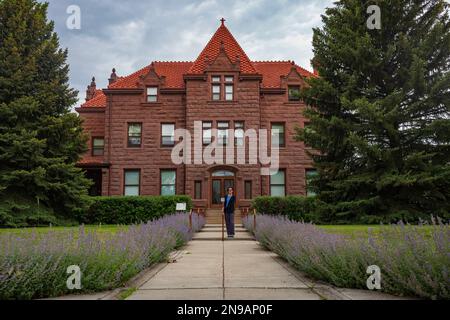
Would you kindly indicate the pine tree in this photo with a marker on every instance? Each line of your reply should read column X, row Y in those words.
column 40, row 139
column 380, row 111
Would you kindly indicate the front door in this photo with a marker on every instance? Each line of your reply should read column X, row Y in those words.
column 219, row 190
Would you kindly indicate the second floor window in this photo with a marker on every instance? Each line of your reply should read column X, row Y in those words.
column 278, row 137
column 222, row 132
column 152, row 94
column 168, row 134
column 98, row 146
column 134, row 135
column 206, row 127
column 239, row 133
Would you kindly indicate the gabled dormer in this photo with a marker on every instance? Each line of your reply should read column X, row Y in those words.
column 151, row 82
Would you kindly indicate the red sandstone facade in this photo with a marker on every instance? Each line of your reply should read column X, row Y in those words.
column 168, row 95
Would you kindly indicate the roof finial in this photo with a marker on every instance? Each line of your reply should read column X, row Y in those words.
column 222, row 21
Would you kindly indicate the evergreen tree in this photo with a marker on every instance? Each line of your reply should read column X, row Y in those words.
column 380, row 111
column 40, row 139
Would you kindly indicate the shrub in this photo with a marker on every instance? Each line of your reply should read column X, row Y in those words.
column 129, row 210
column 33, row 265
column 413, row 261
column 298, row 208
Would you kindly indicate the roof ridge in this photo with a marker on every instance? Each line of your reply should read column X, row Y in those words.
column 173, row 61
column 272, row 61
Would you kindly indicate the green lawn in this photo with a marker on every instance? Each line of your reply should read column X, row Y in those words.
column 359, row 231
column 103, row 228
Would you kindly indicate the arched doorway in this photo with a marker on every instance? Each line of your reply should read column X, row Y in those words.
column 221, row 180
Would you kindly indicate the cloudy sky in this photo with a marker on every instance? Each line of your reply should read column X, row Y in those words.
column 129, row 34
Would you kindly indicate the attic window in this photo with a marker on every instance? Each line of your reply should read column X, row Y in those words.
column 294, row 93
column 152, row 94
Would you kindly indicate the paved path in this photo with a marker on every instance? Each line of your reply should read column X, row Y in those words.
column 240, row 268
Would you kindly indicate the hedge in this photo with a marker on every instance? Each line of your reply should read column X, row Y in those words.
column 298, row 208
column 129, row 210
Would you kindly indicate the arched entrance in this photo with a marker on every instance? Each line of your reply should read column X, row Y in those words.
column 221, row 180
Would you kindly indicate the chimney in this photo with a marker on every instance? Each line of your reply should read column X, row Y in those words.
column 113, row 77
column 90, row 92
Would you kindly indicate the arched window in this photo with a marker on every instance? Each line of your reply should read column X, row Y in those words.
column 223, row 173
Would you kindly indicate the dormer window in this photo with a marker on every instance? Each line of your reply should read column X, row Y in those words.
column 294, row 93
column 229, row 88
column 221, row 84
column 152, row 94
column 216, row 85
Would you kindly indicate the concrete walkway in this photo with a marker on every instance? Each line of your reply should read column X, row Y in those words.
column 239, row 268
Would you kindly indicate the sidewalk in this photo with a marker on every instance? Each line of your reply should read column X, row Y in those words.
column 238, row 268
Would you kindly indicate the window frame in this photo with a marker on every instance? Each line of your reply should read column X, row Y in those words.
column 216, row 84
column 162, row 135
column 93, row 148
column 223, row 142
column 291, row 98
column 160, row 180
column 203, row 132
column 250, row 182
column 125, row 171
column 280, row 145
column 243, row 133
column 147, row 95
column 129, row 145
column 277, row 184
column 199, row 196
column 306, row 181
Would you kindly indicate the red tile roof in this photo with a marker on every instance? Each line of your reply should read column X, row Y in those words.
column 272, row 71
column 172, row 70
column 99, row 100
column 232, row 49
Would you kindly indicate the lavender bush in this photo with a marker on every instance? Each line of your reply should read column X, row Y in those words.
column 413, row 261
column 33, row 265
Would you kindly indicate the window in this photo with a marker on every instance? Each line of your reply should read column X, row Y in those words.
column 239, row 133
column 168, row 182
column 98, row 145
column 278, row 184
column 206, row 127
column 152, row 94
column 308, row 129
column 229, row 88
column 248, row 189
column 197, row 190
column 134, row 135
column 222, row 132
column 215, row 87
column 310, row 174
column 278, row 137
column 167, row 134
column 131, row 182
column 294, row 93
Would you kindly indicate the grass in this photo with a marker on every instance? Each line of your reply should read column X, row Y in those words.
column 112, row 229
column 362, row 231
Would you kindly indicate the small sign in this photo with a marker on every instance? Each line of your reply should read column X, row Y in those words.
column 181, row 206
column 222, row 200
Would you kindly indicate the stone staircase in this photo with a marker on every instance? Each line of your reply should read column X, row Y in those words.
column 214, row 216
